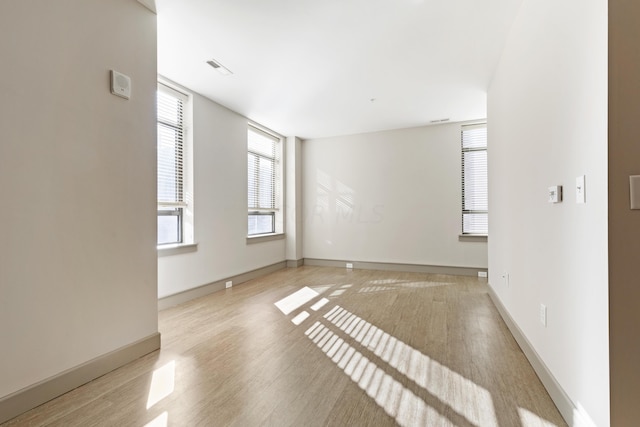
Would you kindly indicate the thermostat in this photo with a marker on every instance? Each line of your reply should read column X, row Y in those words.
column 555, row 194
column 120, row 84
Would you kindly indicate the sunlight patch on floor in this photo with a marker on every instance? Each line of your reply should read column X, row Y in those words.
column 321, row 288
column 385, row 281
column 161, row 420
column 391, row 285
column 461, row 394
column 300, row 318
column 162, row 383
column 317, row 306
column 396, row 400
column 529, row 419
column 296, row 300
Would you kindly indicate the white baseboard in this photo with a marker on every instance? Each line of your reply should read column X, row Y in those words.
column 200, row 291
column 387, row 266
column 28, row 398
column 574, row 416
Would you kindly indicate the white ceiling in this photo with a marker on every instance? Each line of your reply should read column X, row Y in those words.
column 311, row 68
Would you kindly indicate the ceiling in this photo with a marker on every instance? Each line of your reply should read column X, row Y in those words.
column 335, row 67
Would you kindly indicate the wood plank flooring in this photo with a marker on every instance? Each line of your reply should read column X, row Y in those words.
column 368, row 348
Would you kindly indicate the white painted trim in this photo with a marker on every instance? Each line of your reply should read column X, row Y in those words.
column 265, row 238
column 472, row 238
column 575, row 416
column 182, row 248
column 387, row 266
column 28, row 398
column 200, row 291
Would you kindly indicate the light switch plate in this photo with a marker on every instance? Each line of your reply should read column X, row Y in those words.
column 634, row 191
column 543, row 315
column 581, row 195
column 555, row 194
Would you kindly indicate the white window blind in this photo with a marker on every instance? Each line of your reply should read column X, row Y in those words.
column 170, row 168
column 474, row 180
column 263, row 190
column 170, row 147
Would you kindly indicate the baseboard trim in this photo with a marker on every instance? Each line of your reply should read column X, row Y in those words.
column 387, row 266
column 573, row 415
column 295, row 263
column 28, row 398
column 200, row 291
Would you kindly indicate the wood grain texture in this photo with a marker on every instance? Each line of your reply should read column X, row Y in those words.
column 386, row 348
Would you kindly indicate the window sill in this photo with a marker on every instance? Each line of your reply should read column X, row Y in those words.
column 264, row 238
column 472, row 237
column 180, row 248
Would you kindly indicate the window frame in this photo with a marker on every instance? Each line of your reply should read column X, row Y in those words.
column 263, row 213
column 275, row 209
column 464, row 150
column 179, row 212
column 178, row 206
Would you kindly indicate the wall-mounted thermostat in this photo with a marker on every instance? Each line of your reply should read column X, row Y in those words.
column 120, row 84
column 555, row 194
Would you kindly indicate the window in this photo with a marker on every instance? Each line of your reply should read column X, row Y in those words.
column 264, row 182
column 171, row 200
column 474, row 180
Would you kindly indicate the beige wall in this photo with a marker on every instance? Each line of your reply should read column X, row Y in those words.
column 624, row 224
column 220, row 206
column 391, row 196
column 77, row 184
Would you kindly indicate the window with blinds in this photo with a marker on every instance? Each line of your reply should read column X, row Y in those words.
column 170, row 155
column 263, row 166
column 474, row 180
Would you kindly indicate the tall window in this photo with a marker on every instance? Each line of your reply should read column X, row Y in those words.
column 474, row 180
column 171, row 200
column 264, row 179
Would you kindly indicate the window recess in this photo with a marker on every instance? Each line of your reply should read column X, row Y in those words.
column 170, row 166
column 264, row 175
column 475, row 212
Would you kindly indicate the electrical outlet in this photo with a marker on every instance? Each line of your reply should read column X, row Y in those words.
column 349, row 265
column 543, row 315
column 229, row 284
column 482, row 274
column 505, row 279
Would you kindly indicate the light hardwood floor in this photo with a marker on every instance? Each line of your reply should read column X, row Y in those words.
column 377, row 348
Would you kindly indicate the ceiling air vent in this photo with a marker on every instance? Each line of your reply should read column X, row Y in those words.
column 219, row 67
column 439, row 121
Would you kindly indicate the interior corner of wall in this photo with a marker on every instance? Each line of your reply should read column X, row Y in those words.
column 149, row 4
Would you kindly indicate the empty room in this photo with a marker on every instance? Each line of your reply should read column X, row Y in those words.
column 296, row 213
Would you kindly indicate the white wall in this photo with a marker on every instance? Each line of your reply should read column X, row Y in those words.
column 547, row 109
column 392, row 196
column 220, row 206
column 77, row 184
